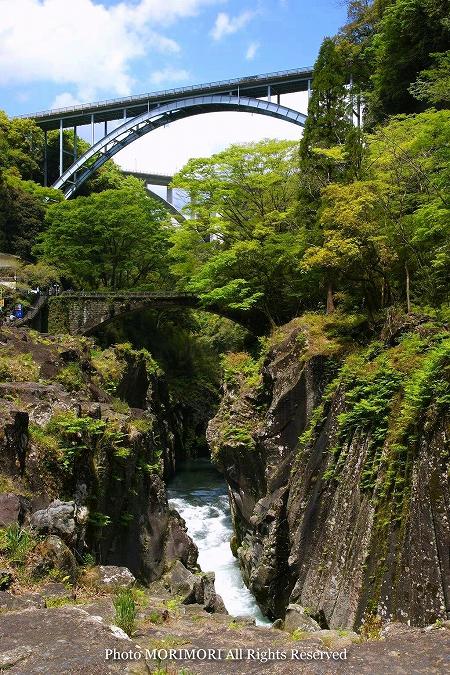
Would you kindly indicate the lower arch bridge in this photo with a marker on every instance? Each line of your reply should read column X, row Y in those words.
column 85, row 312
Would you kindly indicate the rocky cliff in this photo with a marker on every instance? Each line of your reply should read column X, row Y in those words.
column 97, row 430
column 335, row 449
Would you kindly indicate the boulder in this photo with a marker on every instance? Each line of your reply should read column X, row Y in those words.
column 337, row 639
column 13, row 657
column 109, row 577
column 194, row 588
column 60, row 640
column 58, row 518
column 182, row 583
column 52, row 554
column 212, row 602
column 297, row 618
column 179, row 545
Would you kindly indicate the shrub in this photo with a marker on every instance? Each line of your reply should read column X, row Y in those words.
column 126, row 612
column 371, row 627
column 16, row 543
column 71, row 377
column 18, row 368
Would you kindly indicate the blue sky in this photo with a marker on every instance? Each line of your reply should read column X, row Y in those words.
column 59, row 52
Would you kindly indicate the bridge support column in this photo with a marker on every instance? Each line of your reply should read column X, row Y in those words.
column 61, row 139
column 269, row 93
column 75, row 143
column 170, row 195
column 45, row 160
column 92, row 130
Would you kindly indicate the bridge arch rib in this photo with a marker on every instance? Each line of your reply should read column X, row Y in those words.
column 162, row 115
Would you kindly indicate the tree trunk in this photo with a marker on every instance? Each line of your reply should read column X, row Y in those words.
column 408, row 297
column 330, row 301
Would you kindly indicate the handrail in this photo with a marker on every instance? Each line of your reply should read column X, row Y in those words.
column 125, row 294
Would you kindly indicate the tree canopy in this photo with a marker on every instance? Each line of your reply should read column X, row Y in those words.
column 113, row 239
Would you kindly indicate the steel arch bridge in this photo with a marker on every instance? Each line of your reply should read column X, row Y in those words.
column 139, row 115
column 128, row 132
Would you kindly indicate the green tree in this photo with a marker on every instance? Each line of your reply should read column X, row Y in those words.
column 353, row 251
column 241, row 247
column 113, row 239
column 408, row 33
column 329, row 110
column 433, row 84
column 21, row 146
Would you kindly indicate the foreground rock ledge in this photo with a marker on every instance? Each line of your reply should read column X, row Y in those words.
column 69, row 640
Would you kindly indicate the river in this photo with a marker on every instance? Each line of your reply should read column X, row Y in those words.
column 199, row 493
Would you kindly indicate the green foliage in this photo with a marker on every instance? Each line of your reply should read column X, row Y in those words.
column 18, row 368
column 99, row 519
column 59, row 602
column 21, row 146
column 113, row 239
column 125, row 611
column 88, row 560
column 240, row 252
column 328, row 121
column 241, row 369
column 433, row 84
column 371, row 627
column 409, row 32
column 109, row 367
column 71, row 377
column 239, row 435
column 142, row 424
column 74, row 435
column 16, row 543
column 387, row 395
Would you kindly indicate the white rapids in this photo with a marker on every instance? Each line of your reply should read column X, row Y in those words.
column 199, row 494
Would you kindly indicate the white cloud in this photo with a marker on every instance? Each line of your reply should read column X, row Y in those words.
column 169, row 75
column 251, row 51
column 85, row 44
column 65, row 100
column 226, row 25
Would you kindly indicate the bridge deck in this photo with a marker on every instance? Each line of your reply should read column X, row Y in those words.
column 253, row 86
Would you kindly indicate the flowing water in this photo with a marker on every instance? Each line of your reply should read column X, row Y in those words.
column 199, row 493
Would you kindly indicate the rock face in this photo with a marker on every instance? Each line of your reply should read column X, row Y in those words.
column 109, row 465
column 13, row 509
column 327, row 522
column 13, row 438
column 58, row 640
column 194, row 588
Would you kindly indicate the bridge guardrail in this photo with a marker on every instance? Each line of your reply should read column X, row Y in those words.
column 125, row 294
column 167, row 92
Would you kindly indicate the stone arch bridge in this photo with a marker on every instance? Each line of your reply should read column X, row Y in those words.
column 84, row 312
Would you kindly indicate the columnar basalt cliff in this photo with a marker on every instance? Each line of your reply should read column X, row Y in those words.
column 336, row 456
